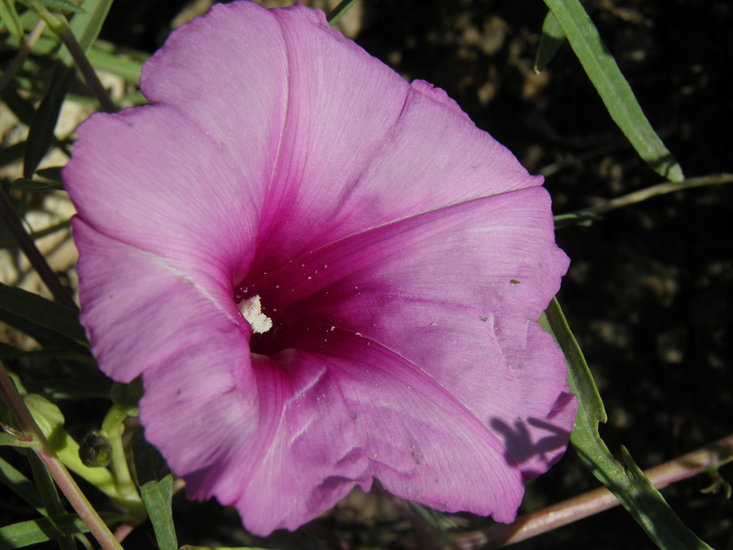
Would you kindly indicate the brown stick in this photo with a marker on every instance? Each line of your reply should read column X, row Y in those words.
column 595, row 501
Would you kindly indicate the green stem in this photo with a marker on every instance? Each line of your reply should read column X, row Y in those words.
column 113, row 427
column 58, row 471
column 635, row 197
column 336, row 13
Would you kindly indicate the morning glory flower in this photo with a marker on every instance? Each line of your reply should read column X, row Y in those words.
column 324, row 274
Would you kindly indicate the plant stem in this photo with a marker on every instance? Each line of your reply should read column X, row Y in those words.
column 58, row 471
column 593, row 502
column 336, row 13
column 593, row 212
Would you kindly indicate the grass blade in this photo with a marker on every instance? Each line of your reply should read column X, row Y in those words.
column 156, row 490
column 86, row 25
column 21, row 486
column 41, row 312
column 552, row 39
column 628, row 483
column 35, row 531
column 41, row 132
column 613, row 88
column 9, row 16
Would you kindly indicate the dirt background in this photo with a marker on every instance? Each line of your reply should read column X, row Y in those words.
column 649, row 288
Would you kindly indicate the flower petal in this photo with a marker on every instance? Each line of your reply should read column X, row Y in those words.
column 468, row 319
column 421, row 442
column 282, row 450
column 145, row 177
column 141, row 309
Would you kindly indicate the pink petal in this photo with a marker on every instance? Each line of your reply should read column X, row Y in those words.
column 282, row 449
column 467, row 320
column 422, row 443
column 404, row 255
column 141, row 309
column 145, row 177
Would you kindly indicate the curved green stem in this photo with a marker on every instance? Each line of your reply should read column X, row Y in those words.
column 55, row 467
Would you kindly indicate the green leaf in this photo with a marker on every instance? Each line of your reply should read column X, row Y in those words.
column 550, row 42
column 613, row 88
column 42, row 312
column 11, row 352
column 35, row 531
column 9, row 16
column 189, row 547
column 60, row 5
column 156, row 490
column 41, row 132
column 21, row 107
column 336, row 13
column 102, row 55
column 86, row 25
column 629, row 484
column 47, row 338
column 129, row 69
column 52, row 173
column 21, row 486
column 50, row 497
column 26, row 184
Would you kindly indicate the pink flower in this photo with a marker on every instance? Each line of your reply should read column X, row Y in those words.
column 325, row 275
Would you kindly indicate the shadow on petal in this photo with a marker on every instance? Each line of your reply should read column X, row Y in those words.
column 535, row 444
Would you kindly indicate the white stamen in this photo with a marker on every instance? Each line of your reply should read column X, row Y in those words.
column 251, row 309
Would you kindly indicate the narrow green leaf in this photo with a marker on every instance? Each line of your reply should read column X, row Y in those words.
column 336, row 13
column 129, row 69
column 581, row 379
column 156, row 490
column 613, row 88
column 52, row 173
column 12, row 153
column 21, row 107
column 7, row 440
column 35, row 531
column 60, row 5
column 51, row 229
column 189, row 547
column 41, row 312
column 9, row 17
column 26, row 184
column 102, row 55
column 645, row 504
column 47, row 338
column 550, row 42
column 86, row 25
column 157, row 496
column 50, row 497
column 41, row 131
column 20, row 485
